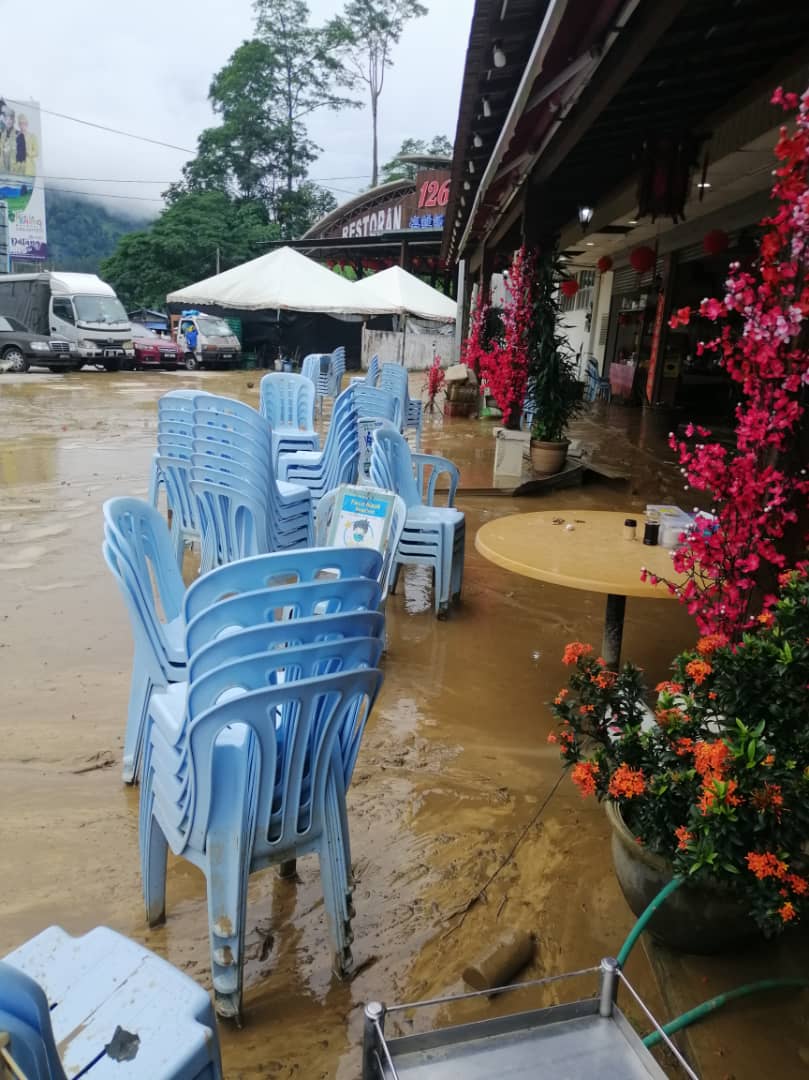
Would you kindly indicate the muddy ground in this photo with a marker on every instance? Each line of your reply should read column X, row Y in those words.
column 458, row 826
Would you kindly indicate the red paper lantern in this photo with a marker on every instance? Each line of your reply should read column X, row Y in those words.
column 715, row 242
column 330, row 263
column 642, row 259
column 604, row 264
column 570, row 288
column 416, row 260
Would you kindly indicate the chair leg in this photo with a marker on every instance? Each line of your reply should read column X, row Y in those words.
column 229, row 846
column 154, row 852
column 139, row 693
column 394, row 578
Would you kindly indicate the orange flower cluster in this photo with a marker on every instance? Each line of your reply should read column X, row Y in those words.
column 560, row 697
column 710, row 759
column 669, row 688
column 670, row 716
column 715, row 791
column 627, row 782
column 684, row 837
column 583, row 775
column 684, row 747
column 765, row 864
column 710, row 643
column 769, row 760
column 787, row 911
column 698, row 670
column 766, row 618
column 585, row 709
column 574, row 651
column 799, row 885
column 604, row 680
column 769, row 797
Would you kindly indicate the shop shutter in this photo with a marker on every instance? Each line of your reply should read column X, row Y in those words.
column 626, row 280
column 602, row 330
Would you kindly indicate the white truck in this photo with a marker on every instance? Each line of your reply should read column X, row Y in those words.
column 79, row 307
column 206, row 340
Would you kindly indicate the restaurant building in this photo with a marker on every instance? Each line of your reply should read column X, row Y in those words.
column 637, row 137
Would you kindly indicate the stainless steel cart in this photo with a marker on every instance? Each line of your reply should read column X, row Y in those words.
column 586, row 1038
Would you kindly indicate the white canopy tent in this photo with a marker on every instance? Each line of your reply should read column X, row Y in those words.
column 407, row 295
column 282, row 280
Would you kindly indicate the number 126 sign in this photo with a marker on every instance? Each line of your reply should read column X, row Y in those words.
column 431, row 193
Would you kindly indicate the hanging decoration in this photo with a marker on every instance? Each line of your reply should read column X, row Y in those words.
column 642, row 259
column 569, row 288
column 604, row 264
column 665, row 176
column 715, row 242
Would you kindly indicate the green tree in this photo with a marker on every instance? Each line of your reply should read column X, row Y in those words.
column 182, row 244
column 439, row 146
column 365, row 35
column 263, row 95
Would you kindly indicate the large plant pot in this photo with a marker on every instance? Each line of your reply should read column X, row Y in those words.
column 549, row 457
column 694, row 919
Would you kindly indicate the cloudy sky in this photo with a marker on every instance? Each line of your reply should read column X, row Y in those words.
column 145, row 68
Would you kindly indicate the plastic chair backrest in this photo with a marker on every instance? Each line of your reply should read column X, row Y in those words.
column 310, row 368
column 392, row 465
column 284, row 634
column 393, row 378
column 337, row 368
column 180, row 498
column 25, row 1015
column 314, row 713
column 373, row 370
column 233, row 515
column 373, row 403
column 301, row 600
column 142, row 536
column 278, row 568
column 287, row 401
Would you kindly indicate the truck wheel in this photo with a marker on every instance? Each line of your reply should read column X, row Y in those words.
column 15, row 359
column 191, row 362
column 112, row 365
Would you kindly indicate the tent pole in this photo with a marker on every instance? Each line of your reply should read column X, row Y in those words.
column 404, row 339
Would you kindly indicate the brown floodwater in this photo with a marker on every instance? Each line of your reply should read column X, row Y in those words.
column 457, row 827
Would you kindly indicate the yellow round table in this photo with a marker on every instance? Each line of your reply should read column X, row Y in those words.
column 592, row 556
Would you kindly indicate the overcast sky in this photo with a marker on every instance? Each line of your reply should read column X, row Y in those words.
column 146, row 67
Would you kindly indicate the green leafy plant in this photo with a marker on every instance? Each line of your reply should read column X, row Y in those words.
column 717, row 781
column 552, row 385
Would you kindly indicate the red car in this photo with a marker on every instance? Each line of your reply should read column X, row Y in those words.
column 152, row 350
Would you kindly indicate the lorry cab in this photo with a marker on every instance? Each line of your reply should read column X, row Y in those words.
column 206, row 340
column 86, row 311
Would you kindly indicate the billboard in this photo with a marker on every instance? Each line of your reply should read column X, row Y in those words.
column 22, row 187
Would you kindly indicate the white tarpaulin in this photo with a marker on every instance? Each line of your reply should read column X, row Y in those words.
column 407, row 295
column 283, row 279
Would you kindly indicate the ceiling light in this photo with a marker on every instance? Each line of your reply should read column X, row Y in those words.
column 487, row 107
column 477, row 141
column 563, row 258
column 498, row 56
column 467, row 186
column 590, row 243
column 632, row 221
column 471, row 166
column 585, row 216
column 463, row 201
column 704, row 184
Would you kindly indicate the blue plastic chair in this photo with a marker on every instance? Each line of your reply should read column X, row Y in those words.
column 287, row 401
column 337, row 369
column 373, row 407
column 66, row 1002
column 337, row 463
column 598, row 386
column 433, row 535
column 138, row 550
column 257, row 783
column 323, row 519
column 394, row 379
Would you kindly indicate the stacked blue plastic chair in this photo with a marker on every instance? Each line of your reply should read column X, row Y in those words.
column 393, row 378
column 251, row 768
column 172, row 461
column 287, row 402
column 433, row 535
column 598, row 386
column 337, row 463
column 243, row 509
column 337, row 369
column 138, row 550
column 323, row 518
column 372, row 375
column 317, row 368
column 88, row 1006
column 373, row 408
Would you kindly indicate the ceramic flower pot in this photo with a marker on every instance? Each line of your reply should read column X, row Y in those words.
column 694, row 919
column 548, row 457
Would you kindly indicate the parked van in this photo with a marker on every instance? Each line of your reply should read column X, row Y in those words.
column 79, row 307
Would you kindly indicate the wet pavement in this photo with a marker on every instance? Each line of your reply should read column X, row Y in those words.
column 458, row 826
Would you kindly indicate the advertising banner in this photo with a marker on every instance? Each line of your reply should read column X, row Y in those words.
column 22, row 187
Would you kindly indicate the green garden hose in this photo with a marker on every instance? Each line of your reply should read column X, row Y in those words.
column 644, row 917
column 714, row 1003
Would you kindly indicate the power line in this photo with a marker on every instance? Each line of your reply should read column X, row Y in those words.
column 127, row 180
column 103, row 127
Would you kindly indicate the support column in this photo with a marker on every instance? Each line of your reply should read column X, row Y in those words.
column 613, row 631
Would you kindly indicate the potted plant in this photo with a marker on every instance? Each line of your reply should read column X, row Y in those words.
column 554, row 391
column 714, row 784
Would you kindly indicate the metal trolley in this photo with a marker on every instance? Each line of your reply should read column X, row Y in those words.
column 586, row 1038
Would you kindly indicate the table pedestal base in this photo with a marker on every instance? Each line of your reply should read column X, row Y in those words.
column 613, row 631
